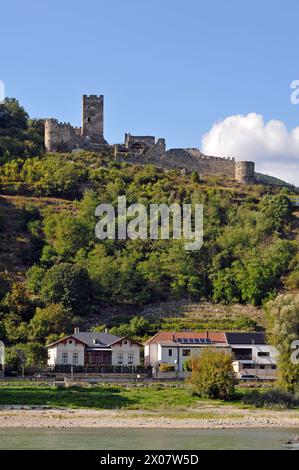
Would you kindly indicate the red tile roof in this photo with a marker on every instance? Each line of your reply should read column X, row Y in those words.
column 215, row 336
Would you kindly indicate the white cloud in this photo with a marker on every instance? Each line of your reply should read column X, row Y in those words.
column 273, row 148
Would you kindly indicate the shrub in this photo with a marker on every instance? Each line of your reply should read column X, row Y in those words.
column 212, row 374
column 164, row 367
column 271, row 399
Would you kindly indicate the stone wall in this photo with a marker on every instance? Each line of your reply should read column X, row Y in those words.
column 142, row 142
column 93, row 118
column 194, row 160
column 60, row 137
column 156, row 151
column 244, row 172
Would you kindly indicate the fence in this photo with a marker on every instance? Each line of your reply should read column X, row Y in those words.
column 67, row 369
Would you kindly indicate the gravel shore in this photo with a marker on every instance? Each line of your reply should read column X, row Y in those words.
column 221, row 418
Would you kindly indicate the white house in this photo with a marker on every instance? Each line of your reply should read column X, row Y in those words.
column 252, row 355
column 175, row 347
column 92, row 350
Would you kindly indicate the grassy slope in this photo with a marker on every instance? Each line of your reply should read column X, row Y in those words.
column 14, row 240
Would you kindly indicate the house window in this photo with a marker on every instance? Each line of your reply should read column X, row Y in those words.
column 65, row 358
column 169, row 352
column 263, row 354
column 130, row 358
column 262, row 366
column 120, row 358
column 75, row 358
column 273, row 367
column 186, row 352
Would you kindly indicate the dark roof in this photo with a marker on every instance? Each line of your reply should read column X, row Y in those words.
column 245, row 338
column 64, row 339
column 89, row 338
column 126, row 338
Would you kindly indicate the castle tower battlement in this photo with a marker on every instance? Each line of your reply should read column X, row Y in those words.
column 93, row 118
column 60, row 136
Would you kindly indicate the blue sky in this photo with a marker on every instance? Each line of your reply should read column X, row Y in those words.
column 166, row 67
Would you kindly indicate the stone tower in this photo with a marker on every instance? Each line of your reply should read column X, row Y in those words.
column 244, row 172
column 93, row 118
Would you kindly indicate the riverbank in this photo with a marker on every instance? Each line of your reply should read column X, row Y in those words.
column 209, row 417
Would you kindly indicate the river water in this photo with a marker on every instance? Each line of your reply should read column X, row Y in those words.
column 144, row 439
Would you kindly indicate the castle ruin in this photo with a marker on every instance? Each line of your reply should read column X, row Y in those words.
column 63, row 137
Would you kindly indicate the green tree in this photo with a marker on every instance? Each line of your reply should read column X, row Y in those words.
column 137, row 326
column 54, row 319
column 35, row 354
column 13, row 358
column 13, row 117
column 69, row 285
column 18, row 302
column 278, row 208
column 282, row 320
column 212, row 374
column 16, row 330
column 34, row 276
column 66, row 234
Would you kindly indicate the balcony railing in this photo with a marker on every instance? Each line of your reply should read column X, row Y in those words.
column 242, row 357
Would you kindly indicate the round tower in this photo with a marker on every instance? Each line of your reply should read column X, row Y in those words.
column 51, row 135
column 244, row 172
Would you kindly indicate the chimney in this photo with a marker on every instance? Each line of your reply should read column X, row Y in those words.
column 207, row 334
column 106, row 330
column 173, row 338
column 76, row 330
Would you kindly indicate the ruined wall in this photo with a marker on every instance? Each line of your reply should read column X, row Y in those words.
column 193, row 160
column 144, row 141
column 156, row 151
column 61, row 137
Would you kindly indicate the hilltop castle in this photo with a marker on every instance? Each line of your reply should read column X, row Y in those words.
column 62, row 137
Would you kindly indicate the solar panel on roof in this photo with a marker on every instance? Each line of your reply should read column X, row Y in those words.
column 179, row 340
column 196, row 340
column 185, row 340
column 191, row 340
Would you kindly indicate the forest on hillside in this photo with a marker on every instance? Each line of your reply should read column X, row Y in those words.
column 250, row 249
